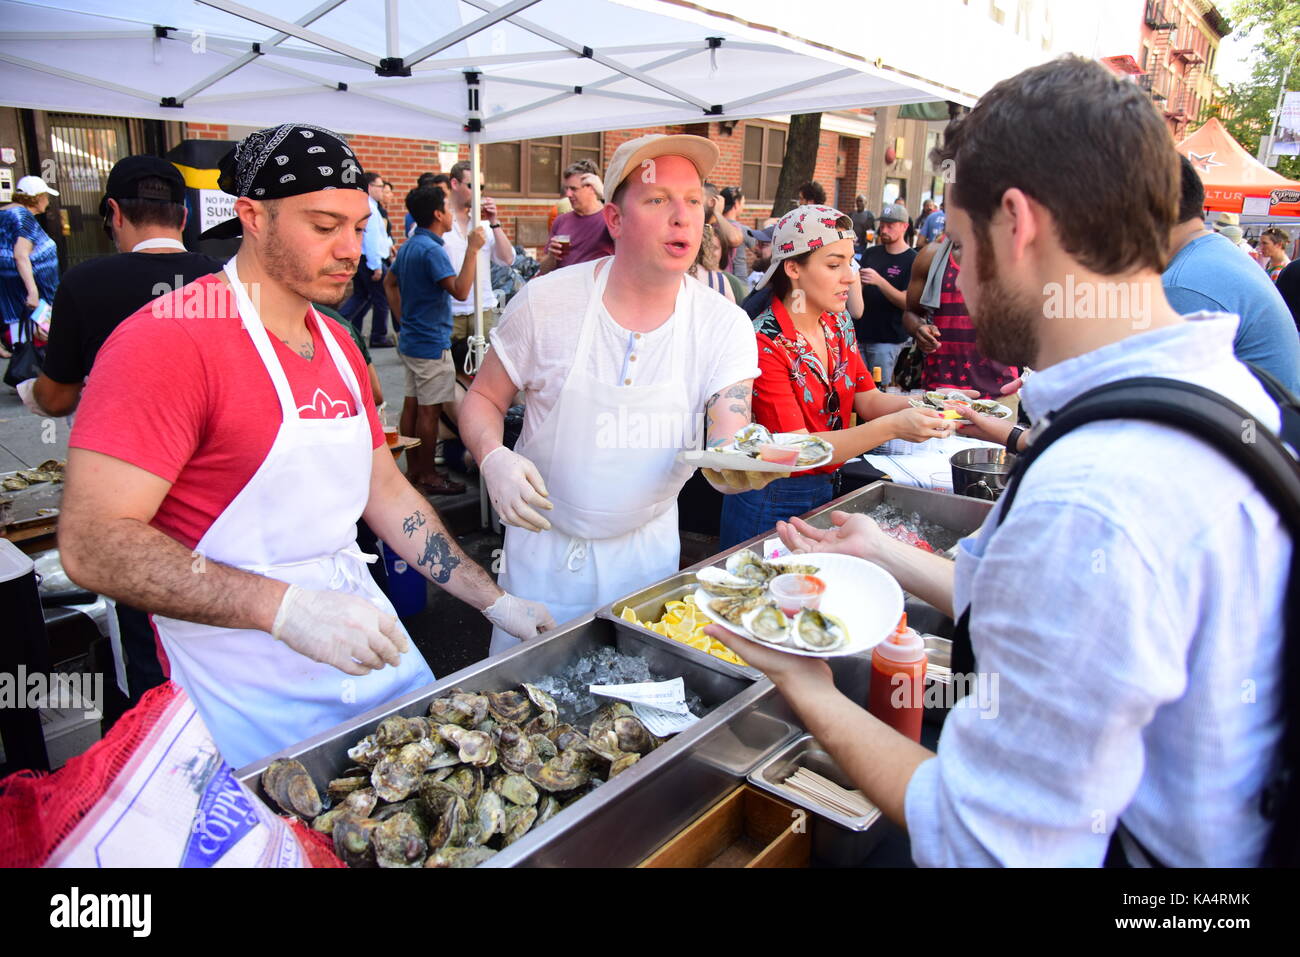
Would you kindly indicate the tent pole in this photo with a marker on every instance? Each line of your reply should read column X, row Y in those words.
column 476, row 342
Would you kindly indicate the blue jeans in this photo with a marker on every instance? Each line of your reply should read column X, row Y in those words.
column 883, row 354
column 747, row 514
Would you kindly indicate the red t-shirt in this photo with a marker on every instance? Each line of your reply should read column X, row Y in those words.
column 180, row 391
column 793, row 390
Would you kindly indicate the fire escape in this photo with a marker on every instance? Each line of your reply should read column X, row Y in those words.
column 1154, row 81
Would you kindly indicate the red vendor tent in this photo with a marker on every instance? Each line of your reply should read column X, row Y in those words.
column 1235, row 181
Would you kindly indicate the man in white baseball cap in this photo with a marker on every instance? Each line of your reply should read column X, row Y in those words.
column 624, row 362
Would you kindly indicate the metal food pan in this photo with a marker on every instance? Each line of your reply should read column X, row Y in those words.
column 626, row 818
column 955, row 512
column 838, row 841
column 649, row 604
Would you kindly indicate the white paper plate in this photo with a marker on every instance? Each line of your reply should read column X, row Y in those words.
column 728, row 457
column 862, row 595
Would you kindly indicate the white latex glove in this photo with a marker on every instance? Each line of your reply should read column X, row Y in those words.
column 345, row 631
column 26, row 392
column 520, row 617
column 515, row 488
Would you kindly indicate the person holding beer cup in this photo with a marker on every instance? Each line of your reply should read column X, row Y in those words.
column 579, row 236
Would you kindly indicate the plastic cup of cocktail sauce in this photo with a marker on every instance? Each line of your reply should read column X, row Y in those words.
column 796, row 592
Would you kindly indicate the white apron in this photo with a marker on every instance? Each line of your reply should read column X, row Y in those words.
column 614, row 522
column 294, row 521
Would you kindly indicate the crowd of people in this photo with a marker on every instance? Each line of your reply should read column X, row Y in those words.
column 267, row 463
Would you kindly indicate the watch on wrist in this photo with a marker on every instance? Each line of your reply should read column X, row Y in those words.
column 495, row 225
column 1013, row 439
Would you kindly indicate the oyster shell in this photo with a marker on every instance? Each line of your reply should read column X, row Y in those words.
column 632, row 735
column 811, row 449
column 518, row 822
column 721, row 583
column 451, row 824
column 552, row 776
column 510, row 706
column 361, row 802
column 394, row 731
column 794, row 568
column 735, row 609
column 366, row 752
column 458, row 857
column 394, row 779
column 475, row 747
column 516, row 749
column 749, row 565
column 768, row 623
column 752, row 437
column 339, row 788
column 399, row 841
column 546, row 809
column 289, row 785
column 817, row 631
column 541, row 699
column 516, row 789
column 352, row 840
column 544, row 746
column 623, row 763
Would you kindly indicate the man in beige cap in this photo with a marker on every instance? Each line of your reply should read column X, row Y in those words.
column 624, row 362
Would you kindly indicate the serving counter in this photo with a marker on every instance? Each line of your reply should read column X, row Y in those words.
column 744, row 721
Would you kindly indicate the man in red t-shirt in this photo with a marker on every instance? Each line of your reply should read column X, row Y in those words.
column 223, row 453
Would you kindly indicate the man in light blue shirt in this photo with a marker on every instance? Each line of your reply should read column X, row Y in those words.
column 1127, row 616
column 933, row 226
column 368, row 287
column 1209, row 274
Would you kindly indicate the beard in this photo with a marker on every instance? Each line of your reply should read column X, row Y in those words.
column 283, row 264
column 1005, row 321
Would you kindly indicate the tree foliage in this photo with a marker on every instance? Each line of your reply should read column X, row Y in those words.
column 1250, row 104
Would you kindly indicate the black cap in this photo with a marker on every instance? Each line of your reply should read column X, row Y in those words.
column 286, row 160
column 125, row 181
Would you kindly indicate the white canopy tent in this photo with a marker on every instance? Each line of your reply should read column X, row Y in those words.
column 488, row 71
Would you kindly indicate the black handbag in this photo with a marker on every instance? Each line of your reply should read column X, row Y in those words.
column 27, row 358
column 908, row 368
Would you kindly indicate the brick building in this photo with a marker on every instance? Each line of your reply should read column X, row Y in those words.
column 1178, row 45
column 74, row 152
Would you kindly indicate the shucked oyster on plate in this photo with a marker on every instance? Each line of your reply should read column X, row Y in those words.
column 751, row 438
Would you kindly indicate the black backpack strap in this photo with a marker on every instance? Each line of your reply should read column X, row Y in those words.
column 1264, row 457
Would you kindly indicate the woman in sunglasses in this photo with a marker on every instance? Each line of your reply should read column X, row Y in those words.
column 812, row 376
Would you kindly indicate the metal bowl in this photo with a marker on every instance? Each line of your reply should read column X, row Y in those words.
column 981, row 473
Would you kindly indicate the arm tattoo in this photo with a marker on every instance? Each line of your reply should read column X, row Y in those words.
column 437, row 555
column 744, row 406
column 412, row 522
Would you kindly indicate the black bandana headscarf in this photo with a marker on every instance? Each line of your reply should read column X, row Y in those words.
column 286, row 160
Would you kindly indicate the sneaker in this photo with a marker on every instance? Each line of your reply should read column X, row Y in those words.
column 445, row 485
column 437, row 455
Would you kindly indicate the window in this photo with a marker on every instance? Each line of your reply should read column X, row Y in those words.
column 535, row 167
column 764, row 154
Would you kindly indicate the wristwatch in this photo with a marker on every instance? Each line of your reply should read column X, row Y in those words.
column 1013, row 440
column 496, row 225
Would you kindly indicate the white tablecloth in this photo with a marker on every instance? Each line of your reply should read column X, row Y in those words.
column 918, row 464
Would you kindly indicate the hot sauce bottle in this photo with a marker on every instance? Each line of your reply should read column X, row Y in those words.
column 897, row 693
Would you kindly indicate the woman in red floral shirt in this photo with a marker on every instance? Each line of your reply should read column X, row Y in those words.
column 812, row 376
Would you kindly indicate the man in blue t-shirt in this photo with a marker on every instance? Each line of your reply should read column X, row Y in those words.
column 933, row 226
column 420, row 288
column 1206, row 273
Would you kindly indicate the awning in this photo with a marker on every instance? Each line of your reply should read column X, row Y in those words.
column 1235, row 181
column 402, row 69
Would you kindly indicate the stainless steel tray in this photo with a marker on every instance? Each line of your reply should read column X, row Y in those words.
column 649, row 604
column 955, row 512
column 838, row 840
column 626, row 818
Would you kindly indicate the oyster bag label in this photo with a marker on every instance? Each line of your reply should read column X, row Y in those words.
column 663, row 723
column 224, row 816
column 176, row 802
column 667, row 696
